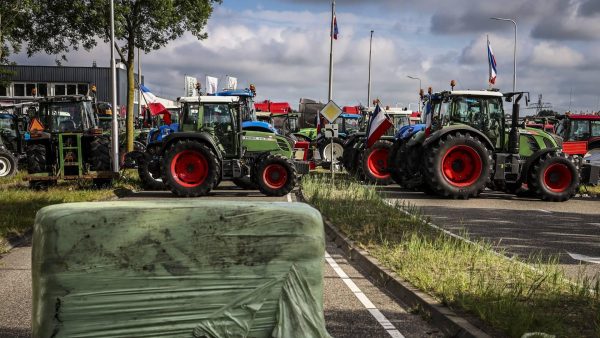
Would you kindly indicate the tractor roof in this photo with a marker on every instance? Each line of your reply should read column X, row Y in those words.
column 65, row 98
column 585, row 117
column 210, row 99
column 475, row 93
column 236, row 92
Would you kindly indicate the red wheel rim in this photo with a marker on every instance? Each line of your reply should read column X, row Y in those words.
column 189, row 168
column 275, row 176
column 377, row 163
column 557, row 177
column 462, row 166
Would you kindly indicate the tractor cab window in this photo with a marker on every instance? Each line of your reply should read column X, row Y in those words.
column 439, row 111
column 189, row 120
column 595, row 128
column 493, row 120
column 247, row 109
column 580, row 130
column 560, row 128
column 7, row 125
column 217, row 117
column 352, row 125
column 65, row 117
column 467, row 110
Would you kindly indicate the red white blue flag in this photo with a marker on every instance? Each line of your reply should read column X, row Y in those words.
column 336, row 31
column 378, row 125
column 153, row 103
column 492, row 64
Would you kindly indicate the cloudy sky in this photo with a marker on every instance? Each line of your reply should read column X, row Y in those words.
column 283, row 48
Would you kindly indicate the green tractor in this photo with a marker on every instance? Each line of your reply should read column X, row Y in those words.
column 211, row 146
column 66, row 143
column 468, row 146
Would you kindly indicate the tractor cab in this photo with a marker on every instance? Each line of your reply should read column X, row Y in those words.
column 13, row 127
column 580, row 133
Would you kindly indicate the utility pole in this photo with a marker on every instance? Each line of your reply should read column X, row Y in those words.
column 139, row 88
column 113, row 74
column 514, row 52
column 330, row 95
column 369, row 84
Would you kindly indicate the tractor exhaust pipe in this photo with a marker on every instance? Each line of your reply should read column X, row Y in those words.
column 513, row 137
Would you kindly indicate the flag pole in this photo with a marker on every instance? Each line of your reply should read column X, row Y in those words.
column 369, row 84
column 113, row 75
column 330, row 96
column 487, row 50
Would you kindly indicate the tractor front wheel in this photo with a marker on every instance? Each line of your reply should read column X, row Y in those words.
column 554, row 177
column 149, row 172
column 8, row 163
column 190, row 169
column 458, row 166
column 374, row 164
column 276, row 176
column 100, row 154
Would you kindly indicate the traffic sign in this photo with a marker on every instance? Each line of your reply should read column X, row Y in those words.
column 331, row 111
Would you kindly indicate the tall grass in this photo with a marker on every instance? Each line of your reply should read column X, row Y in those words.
column 507, row 294
column 19, row 204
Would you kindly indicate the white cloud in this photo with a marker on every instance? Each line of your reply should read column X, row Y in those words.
column 554, row 55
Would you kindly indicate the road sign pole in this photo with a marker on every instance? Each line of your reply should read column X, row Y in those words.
column 332, row 161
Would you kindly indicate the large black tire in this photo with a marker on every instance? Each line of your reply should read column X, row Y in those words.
column 276, row 175
column 190, row 169
column 374, row 163
column 8, row 164
column 349, row 158
column 394, row 162
column 245, row 183
column 554, row 177
column 458, row 166
column 149, row 173
column 99, row 157
column 36, row 158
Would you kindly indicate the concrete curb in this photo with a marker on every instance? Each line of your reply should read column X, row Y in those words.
column 451, row 324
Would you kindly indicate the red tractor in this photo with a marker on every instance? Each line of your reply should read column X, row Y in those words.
column 581, row 133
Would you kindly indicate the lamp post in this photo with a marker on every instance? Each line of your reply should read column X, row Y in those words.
column 369, row 84
column 420, row 88
column 113, row 75
column 514, row 52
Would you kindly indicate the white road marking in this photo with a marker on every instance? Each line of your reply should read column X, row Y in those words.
column 584, row 258
column 546, row 211
column 365, row 301
column 289, row 197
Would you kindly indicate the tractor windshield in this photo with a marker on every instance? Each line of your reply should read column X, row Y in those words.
column 247, row 109
column 5, row 122
column 351, row 125
column 483, row 113
column 580, row 130
column 61, row 117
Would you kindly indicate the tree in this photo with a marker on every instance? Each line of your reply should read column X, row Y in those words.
column 139, row 24
column 13, row 18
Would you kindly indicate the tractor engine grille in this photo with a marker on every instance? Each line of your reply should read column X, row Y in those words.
column 283, row 144
column 548, row 143
column 532, row 143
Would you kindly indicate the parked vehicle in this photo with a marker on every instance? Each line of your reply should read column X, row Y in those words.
column 69, row 145
column 580, row 133
column 211, row 146
column 13, row 126
column 470, row 146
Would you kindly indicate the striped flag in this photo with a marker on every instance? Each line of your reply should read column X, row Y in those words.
column 336, row 31
column 152, row 102
column 492, row 63
column 378, row 125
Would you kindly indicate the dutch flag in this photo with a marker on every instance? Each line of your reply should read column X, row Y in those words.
column 336, row 31
column 154, row 104
column 378, row 125
column 492, row 63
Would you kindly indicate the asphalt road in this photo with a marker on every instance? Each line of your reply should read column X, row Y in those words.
column 351, row 303
column 520, row 225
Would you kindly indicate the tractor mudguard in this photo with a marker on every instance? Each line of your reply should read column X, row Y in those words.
column 37, row 137
column 201, row 137
column 464, row 128
column 534, row 157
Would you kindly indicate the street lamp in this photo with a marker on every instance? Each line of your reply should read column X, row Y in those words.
column 420, row 88
column 369, row 84
column 514, row 52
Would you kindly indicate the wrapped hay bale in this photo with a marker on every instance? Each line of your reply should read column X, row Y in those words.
column 178, row 269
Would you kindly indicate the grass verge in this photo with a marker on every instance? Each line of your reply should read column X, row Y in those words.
column 19, row 204
column 506, row 294
column 593, row 191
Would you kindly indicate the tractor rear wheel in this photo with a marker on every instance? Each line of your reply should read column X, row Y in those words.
column 325, row 151
column 276, row 175
column 554, row 177
column 149, row 173
column 36, row 158
column 374, row 163
column 100, row 154
column 190, row 169
column 458, row 166
column 349, row 158
column 8, row 163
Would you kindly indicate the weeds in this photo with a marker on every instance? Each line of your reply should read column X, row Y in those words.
column 506, row 293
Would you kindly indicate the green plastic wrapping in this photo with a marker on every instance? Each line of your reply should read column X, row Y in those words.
column 188, row 268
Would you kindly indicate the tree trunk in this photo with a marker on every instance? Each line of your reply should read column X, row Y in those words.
column 130, row 95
